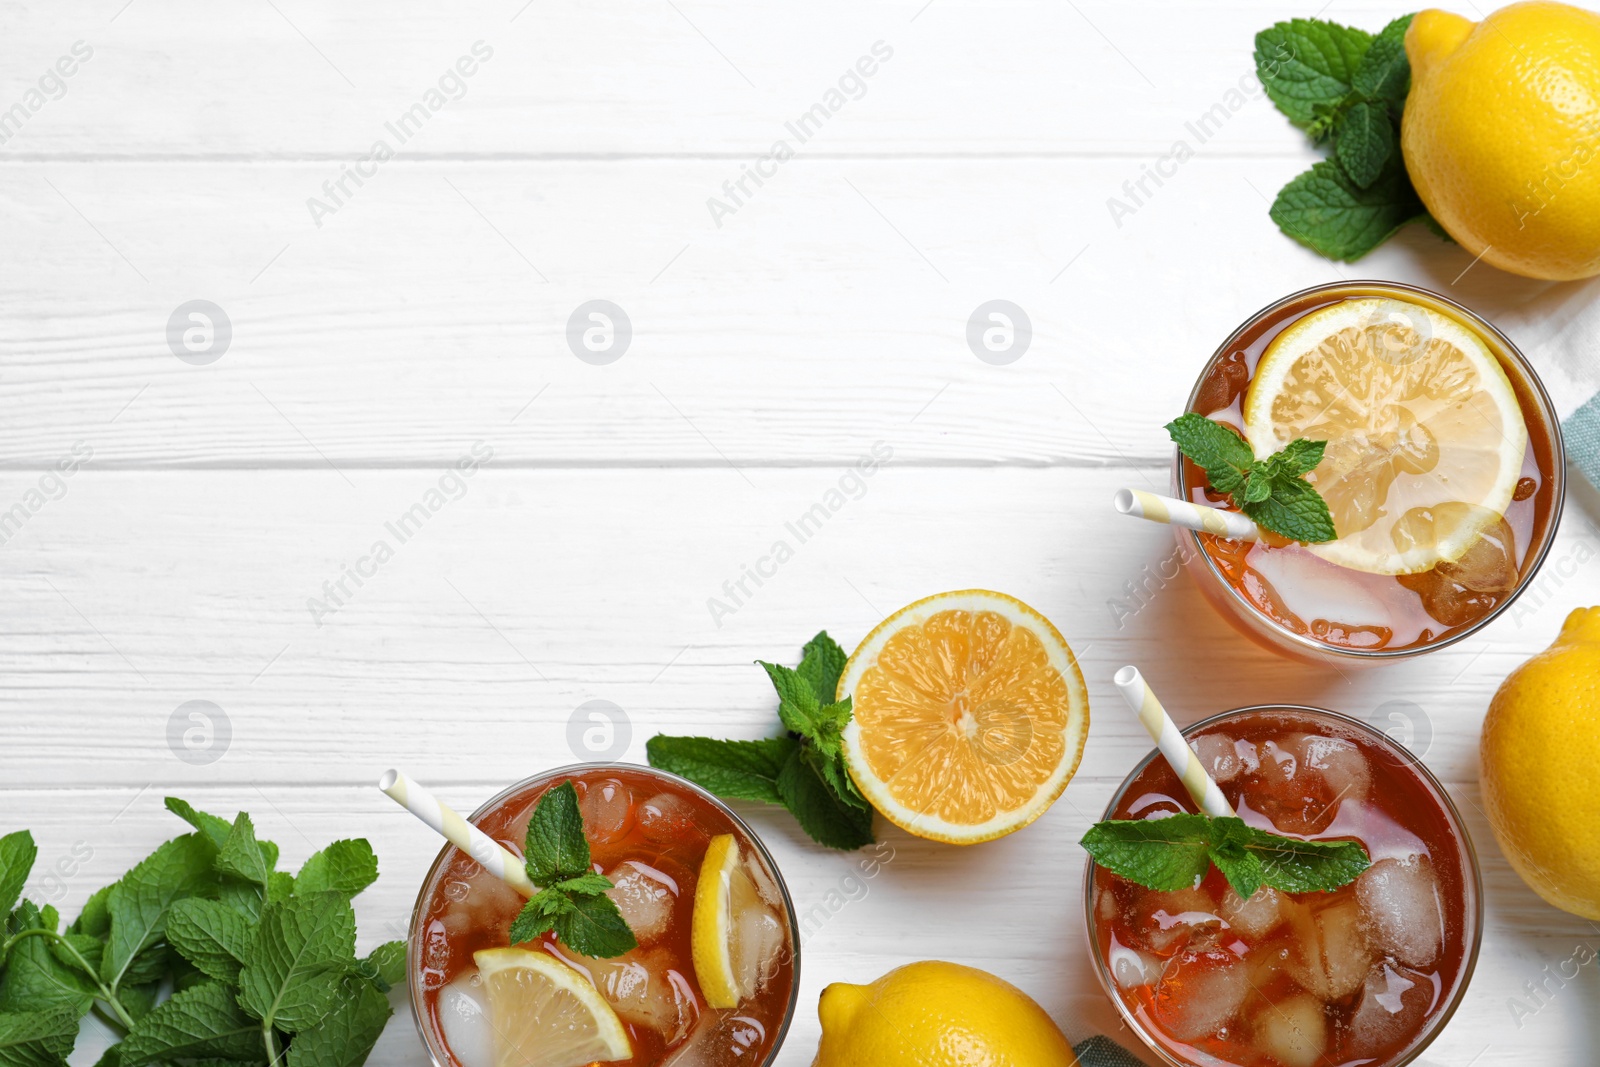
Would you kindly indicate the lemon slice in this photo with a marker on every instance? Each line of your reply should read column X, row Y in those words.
column 1425, row 436
column 711, row 929
column 969, row 716
column 546, row 1014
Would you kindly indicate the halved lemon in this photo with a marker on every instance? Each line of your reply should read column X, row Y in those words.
column 1425, row 436
column 969, row 716
column 546, row 1014
column 711, row 929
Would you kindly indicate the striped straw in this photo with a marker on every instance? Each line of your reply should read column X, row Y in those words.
column 494, row 857
column 1171, row 743
column 1229, row 524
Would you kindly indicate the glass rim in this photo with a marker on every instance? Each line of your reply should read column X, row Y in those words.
column 416, row 995
column 1536, row 557
column 1472, row 885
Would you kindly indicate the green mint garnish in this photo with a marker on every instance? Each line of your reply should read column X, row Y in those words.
column 1346, row 84
column 803, row 769
column 1177, row 851
column 571, row 900
column 1273, row 492
column 261, row 963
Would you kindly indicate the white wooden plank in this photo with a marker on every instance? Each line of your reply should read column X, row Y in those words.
column 829, row 312
column 466, row 654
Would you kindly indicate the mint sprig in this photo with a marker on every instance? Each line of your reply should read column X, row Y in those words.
column 803, row 769
column 1273, row 492
column 571, row 900
column 1176, row 852
column 203, row 952
column 1344, row 84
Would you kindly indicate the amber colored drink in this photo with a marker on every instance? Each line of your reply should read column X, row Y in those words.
column 648, row 832
column 1287, row 598
column 1365, row 974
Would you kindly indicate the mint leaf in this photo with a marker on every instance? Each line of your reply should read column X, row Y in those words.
column 17, row 853
column 1366, row 141
column 345, row 1036
column 95, row 918
column 798, row 706
column 1165, row 854
column 1385, row 72
column 1296, row 866
column 1324, row 210
column 538, row 915
column 212, row 936
column 588, row 884
column 1304, row 62
column 301, row 949
column 821, row 663
column 556, row 847
column 1224, row 455
column 1295, row 510
column 214, row 827
column 594, row 927
column 138, row 904
column 37, row 1038
column 1298, row 457
column 384, row 966
column 202, row 1021
column 346, row 867
column 821, row 813
column 34, row 978
column 241, row 854
column 738, row 770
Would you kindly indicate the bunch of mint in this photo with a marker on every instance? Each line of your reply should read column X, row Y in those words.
column 261, row 963
column 1273, row 492
column 803, row 770
column 1177, row 851
column 572, row 900
column 1345, row 85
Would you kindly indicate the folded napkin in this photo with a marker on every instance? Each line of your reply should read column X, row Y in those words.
column 1100, row 1051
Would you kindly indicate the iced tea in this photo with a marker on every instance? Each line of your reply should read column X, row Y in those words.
column 1366, row 974
column 1312, row 601
column 648, row 832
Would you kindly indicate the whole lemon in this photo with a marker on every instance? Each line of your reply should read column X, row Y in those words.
column 1501, row 134
column 934, row 1014
column 1540, row 753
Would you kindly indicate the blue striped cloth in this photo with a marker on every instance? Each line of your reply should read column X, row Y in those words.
column 1581, row 434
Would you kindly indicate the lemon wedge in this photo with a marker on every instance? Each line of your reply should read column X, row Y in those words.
column 1425, row 435
column 711, row 929
column 969, row 716
column 546, row 1014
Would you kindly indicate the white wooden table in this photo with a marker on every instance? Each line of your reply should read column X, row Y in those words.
column 423, row 314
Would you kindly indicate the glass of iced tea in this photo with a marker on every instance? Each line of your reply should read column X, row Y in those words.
column 1368, row 973
column 1444, row 472
column 649, row 832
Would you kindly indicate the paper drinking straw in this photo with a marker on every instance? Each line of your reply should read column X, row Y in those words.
column 494, row 857
column 1229, row 524
column 1171, row 743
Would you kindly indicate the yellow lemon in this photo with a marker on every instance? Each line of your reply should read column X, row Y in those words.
column 546, row 1014
column 934, row 1014
column 1540, row 756
column 968, row 716
column 1501, row 134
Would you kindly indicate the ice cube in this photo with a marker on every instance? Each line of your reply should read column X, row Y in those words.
column 1458, row 592
column 757, row 935
column 646, row 896
column 1334, row 953
column 1256, row 917
column 667, row 819
column 765, row 884
column 1294, row 1032
column 464, row 1017
column 1132, row 968
column 1218, row 756
column 1279, row 763
column 1393, row 1002
column 1339, row 763
column 646, row 989
column 1161, row 920
column 1199, row 992
column 1400, row 903
column 607, row 810
column 723, row 1039
column 1249, row 756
